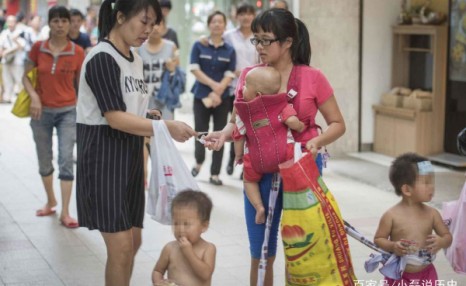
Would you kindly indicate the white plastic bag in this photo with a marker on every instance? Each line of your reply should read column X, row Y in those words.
column 169, row 174
column 454, row 212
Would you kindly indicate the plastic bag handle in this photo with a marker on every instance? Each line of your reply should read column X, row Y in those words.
column 298, row 153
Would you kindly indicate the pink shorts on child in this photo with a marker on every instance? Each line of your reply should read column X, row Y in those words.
column 250, row 175
column 427, row 276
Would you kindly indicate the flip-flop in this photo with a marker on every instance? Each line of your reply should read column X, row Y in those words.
column 69, row 223
column 45, row 212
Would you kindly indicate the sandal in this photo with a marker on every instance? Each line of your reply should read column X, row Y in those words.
column 69, row 222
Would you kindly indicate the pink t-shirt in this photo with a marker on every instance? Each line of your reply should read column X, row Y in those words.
column 312, row 88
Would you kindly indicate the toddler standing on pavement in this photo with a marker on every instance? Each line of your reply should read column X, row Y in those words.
column 188, row 260
column 406, row 228
column 261, row 81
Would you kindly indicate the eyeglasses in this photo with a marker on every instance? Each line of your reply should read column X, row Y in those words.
column 264, row 42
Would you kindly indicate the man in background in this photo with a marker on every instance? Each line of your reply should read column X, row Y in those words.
column 78, row 37
column 168, row 33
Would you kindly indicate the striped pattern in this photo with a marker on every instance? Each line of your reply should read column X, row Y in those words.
column 110, row 176
column 103, row 77
column 110, row 179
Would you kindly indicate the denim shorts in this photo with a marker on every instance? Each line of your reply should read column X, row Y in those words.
column 64, row 120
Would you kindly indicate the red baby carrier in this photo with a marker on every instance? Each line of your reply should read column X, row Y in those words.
column 266, row 135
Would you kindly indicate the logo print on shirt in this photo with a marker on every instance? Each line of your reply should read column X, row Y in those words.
column 134, row 84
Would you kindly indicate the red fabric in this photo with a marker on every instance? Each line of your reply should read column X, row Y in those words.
column 287, row 112
column 55, row 84
column 248, row 171
column 427, row 276
column 313, row 90
column 249, row 174
column 267, row 143
column 236, row 135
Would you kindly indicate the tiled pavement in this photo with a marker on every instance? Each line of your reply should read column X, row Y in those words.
column 39, row 251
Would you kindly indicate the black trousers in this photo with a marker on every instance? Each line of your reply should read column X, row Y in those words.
column 202, row 117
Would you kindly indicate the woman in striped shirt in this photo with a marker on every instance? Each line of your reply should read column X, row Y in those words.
column 111, row 127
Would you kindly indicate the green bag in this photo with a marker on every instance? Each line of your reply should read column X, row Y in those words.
column 23, row 101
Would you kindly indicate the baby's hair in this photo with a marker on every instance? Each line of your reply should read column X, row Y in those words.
column 266, row 79
column 196, row 199
column 404, row 170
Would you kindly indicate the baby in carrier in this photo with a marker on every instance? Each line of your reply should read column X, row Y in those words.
column 264, row 120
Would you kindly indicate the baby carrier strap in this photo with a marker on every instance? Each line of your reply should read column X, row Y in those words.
column 265, row 135
column 296, row 80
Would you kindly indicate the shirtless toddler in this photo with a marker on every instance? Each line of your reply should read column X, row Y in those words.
column 411, row 228
column 189, row 260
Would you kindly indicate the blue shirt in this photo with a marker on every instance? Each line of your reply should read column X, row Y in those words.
column 216, row 63
column 82, row 40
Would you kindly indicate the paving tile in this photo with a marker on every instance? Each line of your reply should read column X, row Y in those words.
column 31, row 277
column 18, row 255
column 23, row 265
column 75, row 267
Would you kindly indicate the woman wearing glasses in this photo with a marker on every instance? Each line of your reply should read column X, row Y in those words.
column 213, row 66
column 282, row 42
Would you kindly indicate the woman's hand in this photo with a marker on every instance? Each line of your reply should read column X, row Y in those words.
column 36, row 107
column 313, row 146
column 219, row 89
column 180, row 131
column 215, row 140
column 216, row 99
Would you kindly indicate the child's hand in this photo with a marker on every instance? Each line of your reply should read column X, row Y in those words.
column 238, row 159
column 170, row 64
column 433, row 243
column 184, row 244
column 400, row 249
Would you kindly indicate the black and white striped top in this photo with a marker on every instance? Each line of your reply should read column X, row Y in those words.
column 110, row 81
column 110, row 180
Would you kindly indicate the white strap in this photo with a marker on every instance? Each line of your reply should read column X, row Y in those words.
column 298, row 153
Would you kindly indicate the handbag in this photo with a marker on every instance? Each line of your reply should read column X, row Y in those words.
column 313, row 232
column 23, row 101
column 169, row 175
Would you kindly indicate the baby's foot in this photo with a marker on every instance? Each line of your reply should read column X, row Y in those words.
column 260, row 215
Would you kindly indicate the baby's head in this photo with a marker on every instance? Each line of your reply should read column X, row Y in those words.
column 190, row 214
column 261, row 80
column 413, row 175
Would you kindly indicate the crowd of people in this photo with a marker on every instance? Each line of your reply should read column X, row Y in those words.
column 101, row 90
